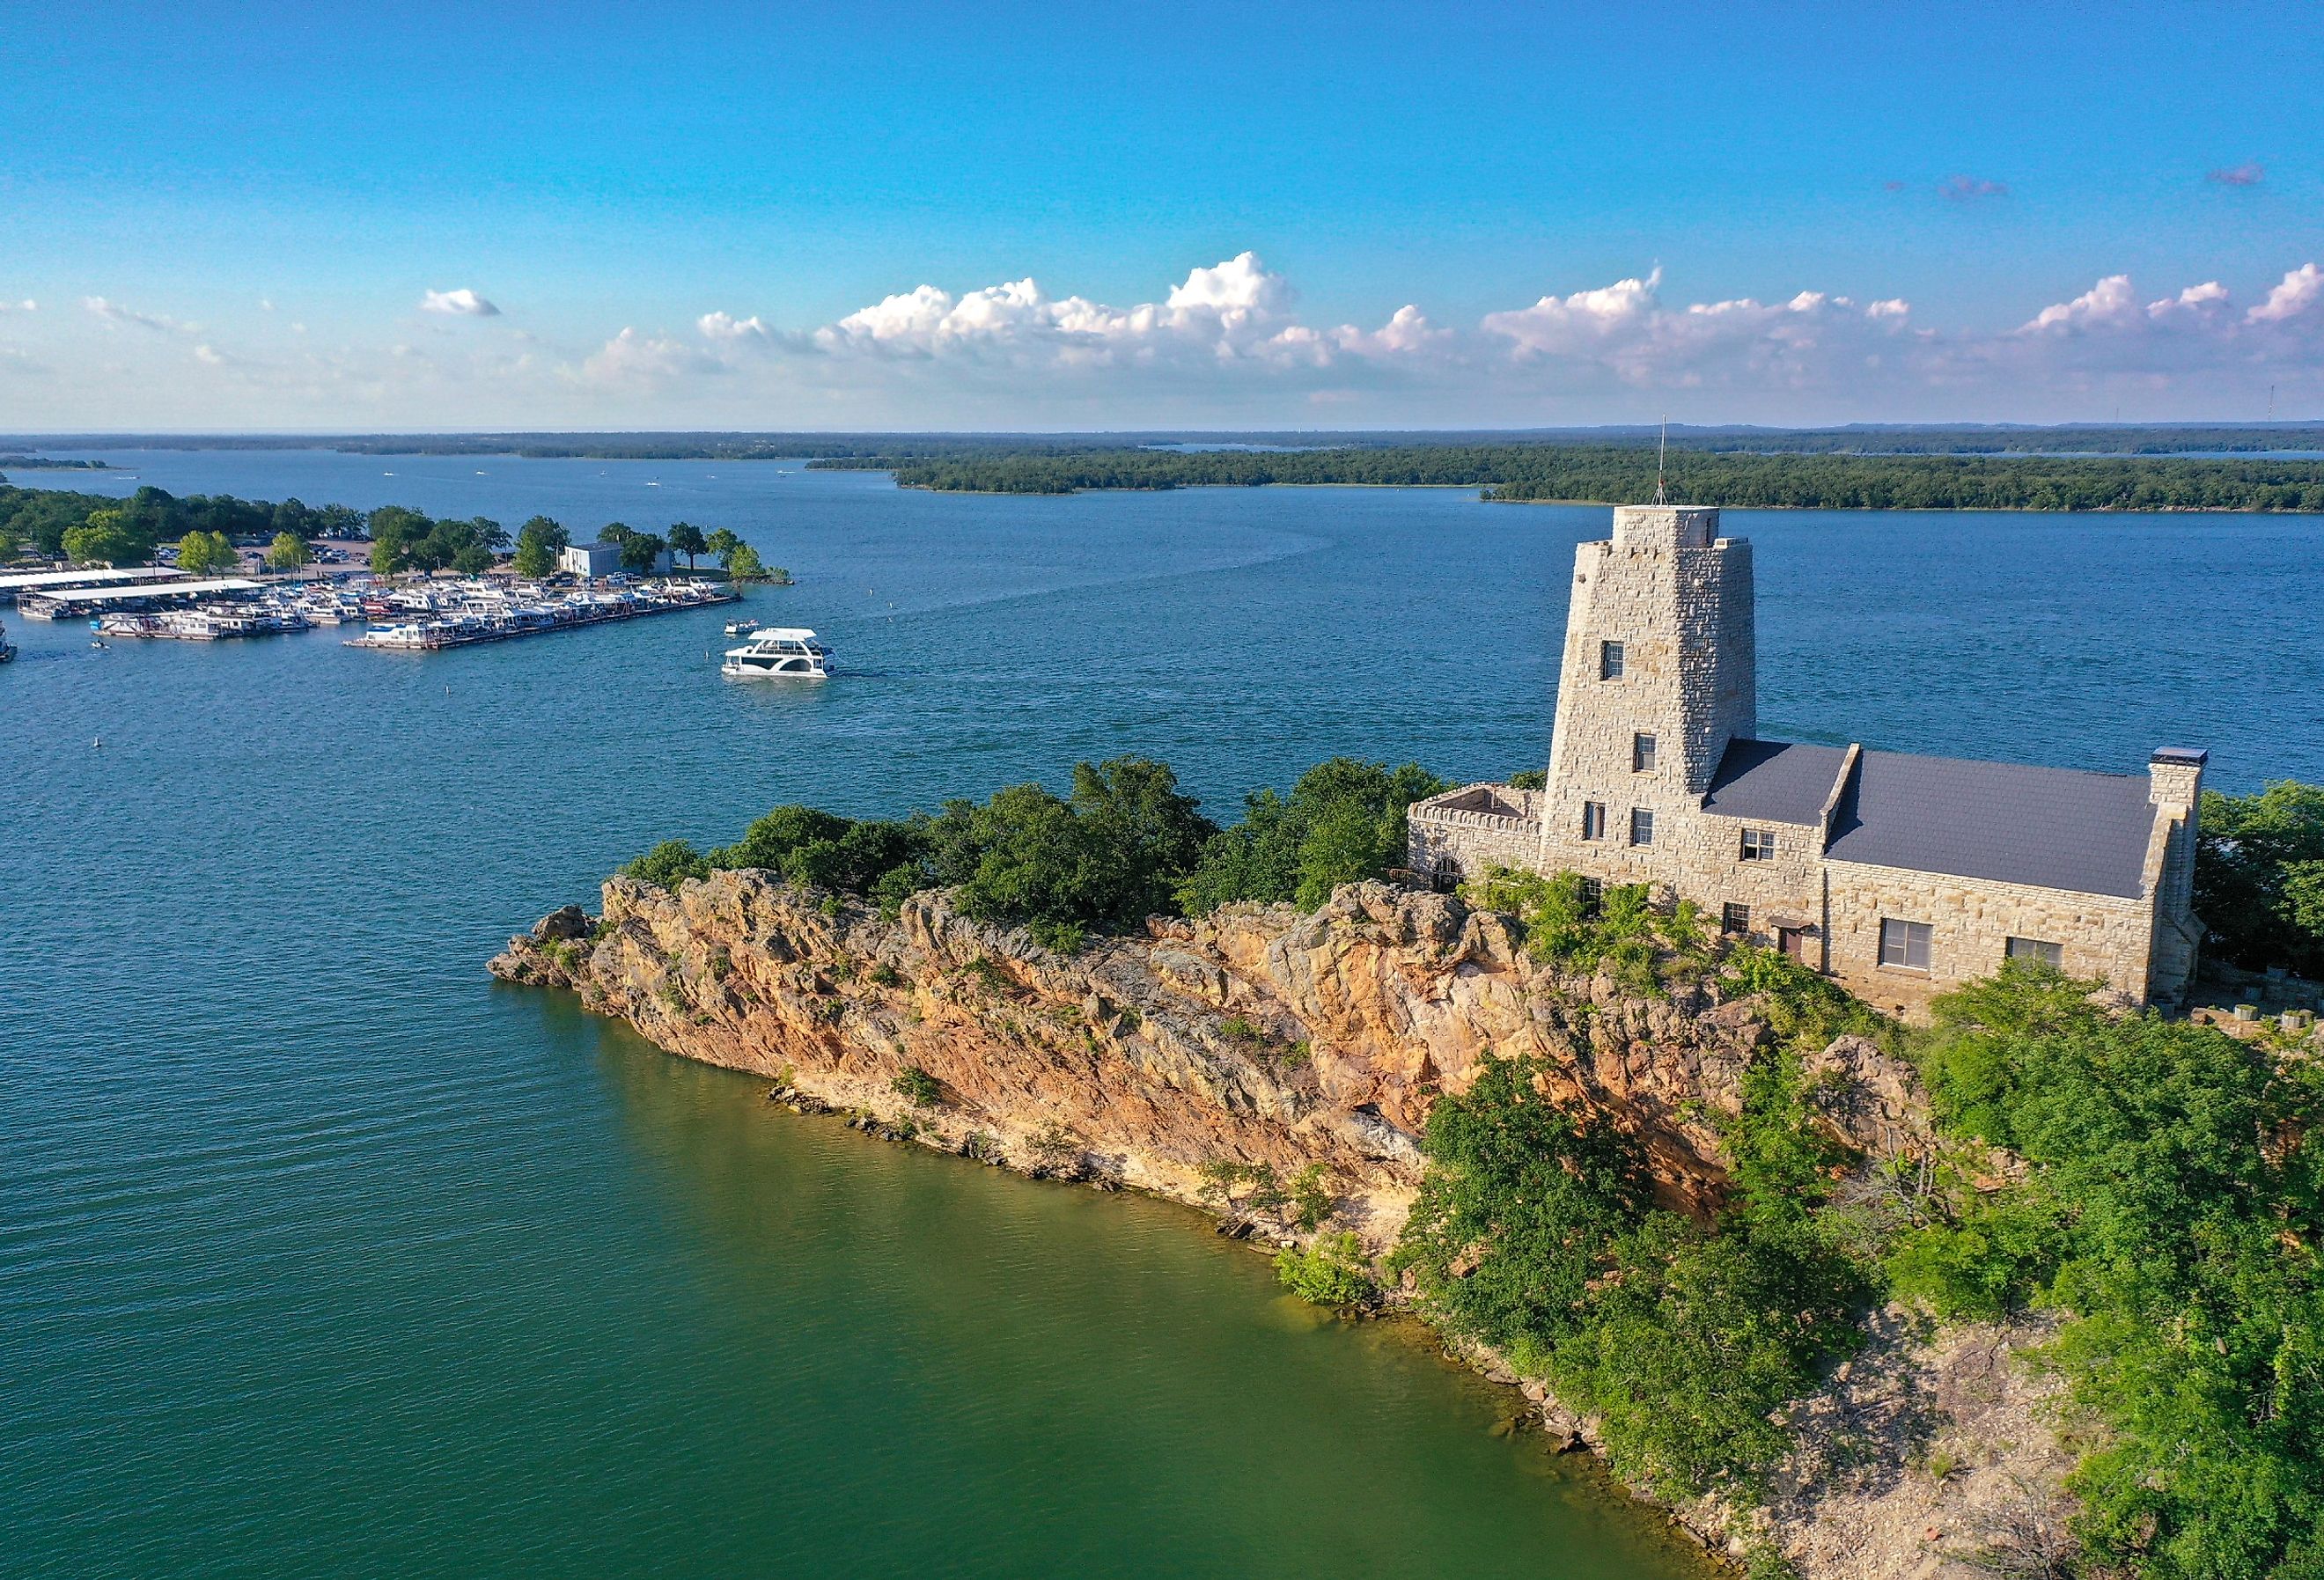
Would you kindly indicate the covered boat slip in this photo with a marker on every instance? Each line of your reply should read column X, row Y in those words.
column 59, row 602
column 16, row 583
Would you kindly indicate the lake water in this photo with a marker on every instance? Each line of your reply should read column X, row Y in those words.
column 321, row 1252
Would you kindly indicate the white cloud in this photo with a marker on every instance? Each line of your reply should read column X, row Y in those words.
column 26, row 306
column 2109, row 301
column 1577, row 325
column 1226, row 343
column 721, row 326
column 630, row 358
column 115, row 315
column 461, row 303
column 2293, row 295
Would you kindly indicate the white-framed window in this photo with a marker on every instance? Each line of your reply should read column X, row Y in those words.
column 1610, row 660
column 2037, row 949
column 1905, row 943
column 1758, row 845
column 1593, row 819
column 1642, row 825
column 1642, row 753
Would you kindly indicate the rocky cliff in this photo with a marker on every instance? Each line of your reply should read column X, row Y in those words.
column 1257, row 1035
column 1268, row 1038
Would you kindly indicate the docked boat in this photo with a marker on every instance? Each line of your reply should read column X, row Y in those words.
column 780, row 652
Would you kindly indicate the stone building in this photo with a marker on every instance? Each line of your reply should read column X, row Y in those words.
column 1899, row 876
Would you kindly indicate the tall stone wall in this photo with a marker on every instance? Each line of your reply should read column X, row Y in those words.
column 1680, row 603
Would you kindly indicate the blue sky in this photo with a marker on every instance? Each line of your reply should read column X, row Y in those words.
column 232, row 215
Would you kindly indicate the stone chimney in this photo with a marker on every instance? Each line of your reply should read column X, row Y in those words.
column 2176, row 776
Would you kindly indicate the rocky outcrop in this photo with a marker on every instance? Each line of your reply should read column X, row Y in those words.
column 1265, row 1036
column 1256, row 1036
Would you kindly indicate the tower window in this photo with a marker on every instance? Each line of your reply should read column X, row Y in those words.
column 1610, row 660
column 1593, row 819
column 1594, row 895
column 1642, row 825
column 1905, row 943
column 1642, row 753
column 2036, row 949
column 1759, row 846
column 1734, row 918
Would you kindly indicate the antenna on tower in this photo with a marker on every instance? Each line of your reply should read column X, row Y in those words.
column 1662, row 451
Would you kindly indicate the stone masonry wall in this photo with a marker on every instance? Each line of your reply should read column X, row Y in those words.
column 1474, row 829
column 1681, row 602
column 1971, row 921
column 1681, row 606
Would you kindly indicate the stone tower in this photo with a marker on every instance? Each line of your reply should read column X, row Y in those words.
column 1658, row 677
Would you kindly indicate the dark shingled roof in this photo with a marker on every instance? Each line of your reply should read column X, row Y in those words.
column 1774, row 782
column 2050, row 828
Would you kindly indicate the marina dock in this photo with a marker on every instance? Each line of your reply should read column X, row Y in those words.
column 494, row 616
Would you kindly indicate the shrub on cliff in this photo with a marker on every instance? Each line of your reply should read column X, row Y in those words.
column 1534, row 1232
column 2171, row 1204
column 1344, row 821
column 667, row 865
column 1104, row 859
column 1618, row 932
column 814, row 849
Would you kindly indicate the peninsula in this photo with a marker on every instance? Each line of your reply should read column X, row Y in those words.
column 1784, row 1257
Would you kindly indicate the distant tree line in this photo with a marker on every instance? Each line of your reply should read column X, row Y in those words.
column 1622, row 475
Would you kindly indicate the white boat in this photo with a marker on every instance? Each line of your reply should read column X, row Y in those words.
column 781, row 652
column 741, row 627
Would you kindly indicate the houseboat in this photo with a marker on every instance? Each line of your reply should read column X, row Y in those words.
column 780, row 652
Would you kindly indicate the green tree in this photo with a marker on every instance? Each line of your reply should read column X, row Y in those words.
column 667, row 865
column 108, row 537
column 388, row 557
column 288, row 551
column 721, row 546
column 1344, row 821
column 1143, row 833
column 2259, row 876
column 687, row 539
column 743, row 564
column 639, row 551
column 206, row 554
column 538, row 543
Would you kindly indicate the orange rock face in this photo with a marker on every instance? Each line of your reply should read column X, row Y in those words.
column 1256, row 1036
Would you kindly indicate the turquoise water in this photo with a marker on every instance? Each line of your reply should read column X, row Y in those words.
column 321, row 1252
